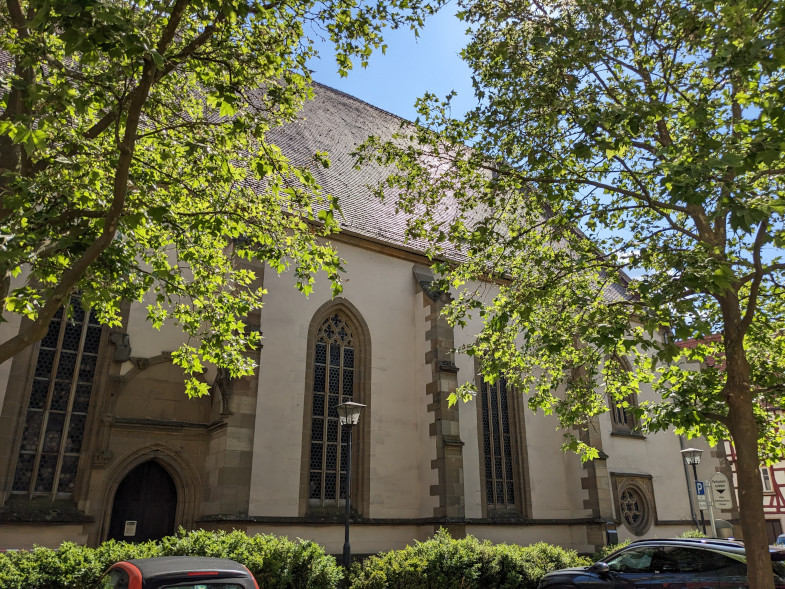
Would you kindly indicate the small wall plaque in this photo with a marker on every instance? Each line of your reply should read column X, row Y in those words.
column 130, row 528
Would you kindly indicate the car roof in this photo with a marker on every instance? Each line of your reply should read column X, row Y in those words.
column 734, row 546
column 175, row 566
column 729, row 545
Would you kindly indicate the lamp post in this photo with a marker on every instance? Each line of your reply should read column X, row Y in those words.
column 692, row 456
column 348, row 415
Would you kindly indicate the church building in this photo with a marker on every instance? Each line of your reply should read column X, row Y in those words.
column 98, row 439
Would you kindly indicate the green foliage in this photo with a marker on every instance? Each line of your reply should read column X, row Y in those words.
column 623, row 176
column 136, row 164
column 696, row 533
column 275, row 562
column 468, row 563
column 606, row 551
column 621, row 173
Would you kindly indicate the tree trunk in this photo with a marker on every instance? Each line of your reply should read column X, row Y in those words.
column 744, row 432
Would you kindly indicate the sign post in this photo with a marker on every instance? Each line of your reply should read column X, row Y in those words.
column 721, row 496
column 712, row 521
column 700, row 491
column 721, row 490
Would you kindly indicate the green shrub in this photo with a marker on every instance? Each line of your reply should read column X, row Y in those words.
column 275, row 562
column 692, row 534
column 466, row 563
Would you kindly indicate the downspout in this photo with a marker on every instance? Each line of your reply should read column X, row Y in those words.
column 689, row 487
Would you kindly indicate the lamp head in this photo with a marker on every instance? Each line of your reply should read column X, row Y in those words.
column 349, row 412
column 692, row 455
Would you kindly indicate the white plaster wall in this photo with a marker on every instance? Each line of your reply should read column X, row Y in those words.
column 382, row 290
column 146, row 340
column 7, row 331
column 473, row 493
column 25, row 537
column 555, row 476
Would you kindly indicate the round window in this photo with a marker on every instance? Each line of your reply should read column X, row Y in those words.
column 631, row 509
column 634, row 511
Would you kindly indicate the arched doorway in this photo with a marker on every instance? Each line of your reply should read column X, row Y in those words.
column 144, row 505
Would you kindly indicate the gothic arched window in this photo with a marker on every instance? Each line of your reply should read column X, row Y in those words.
column 335, row 367
column 500, row 442
column 57, row 407
column 622, row 417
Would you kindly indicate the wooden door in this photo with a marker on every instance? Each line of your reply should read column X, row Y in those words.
column 144, row 506
column 774, row 529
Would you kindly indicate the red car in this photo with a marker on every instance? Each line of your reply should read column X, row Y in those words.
column 177, row 572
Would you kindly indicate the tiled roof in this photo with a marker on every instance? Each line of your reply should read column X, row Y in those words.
column 337, row 123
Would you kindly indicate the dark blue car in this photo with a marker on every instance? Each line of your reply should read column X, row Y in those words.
column 655, row 564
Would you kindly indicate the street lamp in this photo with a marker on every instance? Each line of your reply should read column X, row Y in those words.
column 692, row 456
column 348, row 415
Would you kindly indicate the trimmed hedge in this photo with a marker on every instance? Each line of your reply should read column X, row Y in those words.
column 275, row 562
column 467, row 563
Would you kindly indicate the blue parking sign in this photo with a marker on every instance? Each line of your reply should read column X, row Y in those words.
column 701, row 490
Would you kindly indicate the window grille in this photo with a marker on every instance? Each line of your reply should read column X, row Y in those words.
column 497, row 445
column 333, row 383
column 58, row 402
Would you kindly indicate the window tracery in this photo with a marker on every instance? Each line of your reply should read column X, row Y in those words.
column 333, row 383
column 58, row 402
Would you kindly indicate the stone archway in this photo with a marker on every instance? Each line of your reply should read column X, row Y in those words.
column 144, row 505
column 182, row 473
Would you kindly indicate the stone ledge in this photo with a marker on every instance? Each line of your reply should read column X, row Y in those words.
column 20, row 510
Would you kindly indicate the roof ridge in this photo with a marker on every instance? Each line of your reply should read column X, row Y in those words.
column 361, row 101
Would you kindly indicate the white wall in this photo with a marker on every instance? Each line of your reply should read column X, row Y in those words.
column 382, row 290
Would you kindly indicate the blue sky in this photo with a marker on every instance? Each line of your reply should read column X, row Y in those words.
column 411, row 67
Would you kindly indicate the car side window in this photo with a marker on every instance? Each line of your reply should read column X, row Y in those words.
column 634, row 560
column 688, row 560
column 114, row 579
column 728, row 566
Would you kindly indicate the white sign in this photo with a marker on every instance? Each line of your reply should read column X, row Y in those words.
column 702, row 505
column 130, row 528
column 721, row 491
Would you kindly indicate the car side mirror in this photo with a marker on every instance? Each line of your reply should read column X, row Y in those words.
column 600, row 568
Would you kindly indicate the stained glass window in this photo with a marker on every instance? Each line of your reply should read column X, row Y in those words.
column 333, row 383
column 497, row 445
column 57, row 408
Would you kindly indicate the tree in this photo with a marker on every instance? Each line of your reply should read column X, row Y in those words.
column 135, row 162
column 614, row 136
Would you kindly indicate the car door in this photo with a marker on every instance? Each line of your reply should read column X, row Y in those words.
column 680, row 566
column 631, row 568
